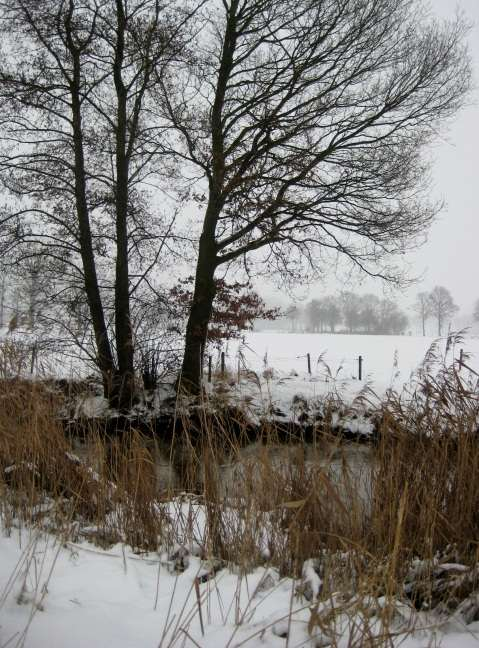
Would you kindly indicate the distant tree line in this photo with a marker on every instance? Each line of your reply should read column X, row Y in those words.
column 351, row 313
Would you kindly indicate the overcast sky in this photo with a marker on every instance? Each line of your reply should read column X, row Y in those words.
column 451, row 255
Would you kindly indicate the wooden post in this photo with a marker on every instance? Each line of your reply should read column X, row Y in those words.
column 461, row 358
column 309, row 363
column 360, row 368
column 222, row 364
column 209, row 369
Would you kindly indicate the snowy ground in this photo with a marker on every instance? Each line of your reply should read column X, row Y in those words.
column 387, row 360
column 63, row 595
column 77, row 596
column 279, row 361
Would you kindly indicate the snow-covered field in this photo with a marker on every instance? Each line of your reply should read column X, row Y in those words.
column 388, row 362
column 68, row 595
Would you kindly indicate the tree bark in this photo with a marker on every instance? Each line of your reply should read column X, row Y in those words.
column 2, row 302
column 125, row 386
column 199, row 316
column 105, row 358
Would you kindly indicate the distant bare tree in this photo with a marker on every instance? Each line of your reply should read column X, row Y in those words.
column 370, row 315
column 32, row 281
column 442, row 306
column 331, row 310
column 293, row 314
column 306, row 122
column 391, row 320
column 3, row 292
column 314, row 315
column 351, row 309
column 423, row 306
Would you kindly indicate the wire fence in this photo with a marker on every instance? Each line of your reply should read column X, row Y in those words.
column 307, row 363
column 326, row 365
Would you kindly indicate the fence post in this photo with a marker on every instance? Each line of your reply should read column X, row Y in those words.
column 461, row 357
column 360, row 368
column 209, row 369
column 222, row 364
column 309, row 363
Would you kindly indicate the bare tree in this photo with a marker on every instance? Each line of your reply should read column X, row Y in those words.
column 422, row 306
column 305, row 123
column 293, row 314
column 32, row 281
column 351, row 309
column 81, row 141
column 314, row 315
column 442, row 306
column 331, row 311
column 3, row 292
column 370, row 313
column 391, row 320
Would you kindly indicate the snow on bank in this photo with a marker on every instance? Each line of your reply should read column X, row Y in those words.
column 77, row 596
column 273, row 371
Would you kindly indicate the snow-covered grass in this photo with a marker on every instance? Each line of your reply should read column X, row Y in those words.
column 280, row 546
column 75, row 595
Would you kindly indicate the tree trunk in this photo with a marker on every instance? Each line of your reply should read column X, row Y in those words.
column 205, row 290
column 2, row 303
column 199, row 317
column 125, row 384
column 105, row 358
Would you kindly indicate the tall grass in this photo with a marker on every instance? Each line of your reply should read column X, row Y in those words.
column 362, row 515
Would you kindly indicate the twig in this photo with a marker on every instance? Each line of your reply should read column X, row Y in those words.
column 198, row 601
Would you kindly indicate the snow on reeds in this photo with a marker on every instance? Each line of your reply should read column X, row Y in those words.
column 357, row 547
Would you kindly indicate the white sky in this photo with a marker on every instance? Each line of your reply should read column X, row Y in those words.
column 451, row 255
